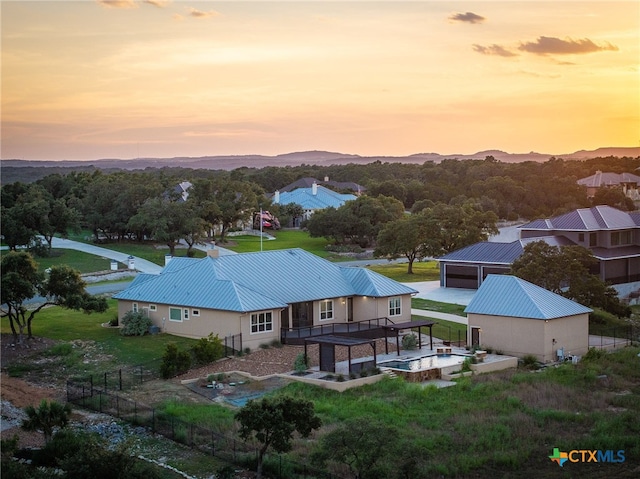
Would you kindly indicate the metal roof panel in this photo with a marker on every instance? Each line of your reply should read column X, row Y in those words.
column 505, row 295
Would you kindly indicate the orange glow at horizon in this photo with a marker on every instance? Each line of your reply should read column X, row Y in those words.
column 164, row 79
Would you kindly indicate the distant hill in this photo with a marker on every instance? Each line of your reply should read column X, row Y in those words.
column 31, row 170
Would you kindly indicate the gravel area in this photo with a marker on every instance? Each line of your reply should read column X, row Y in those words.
column 265, row 362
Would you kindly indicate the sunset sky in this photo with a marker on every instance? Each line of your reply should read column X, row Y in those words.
column 88, row 79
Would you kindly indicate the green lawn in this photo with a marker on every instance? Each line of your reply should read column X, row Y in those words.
column 67, row 325
column 151, row 252
column 83, row 262
column 285, row 239
column 429, row 305
column 422, row 271
column 445, row 330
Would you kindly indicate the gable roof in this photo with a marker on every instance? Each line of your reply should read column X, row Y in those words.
column 324, row 198
column 505, row 295
column 609, row 179
column 600, row 217
column 257, row 281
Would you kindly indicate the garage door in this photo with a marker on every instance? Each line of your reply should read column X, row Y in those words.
column 461, row 276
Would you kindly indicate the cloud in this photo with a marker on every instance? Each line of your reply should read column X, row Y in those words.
column 467, row 17
column 117, row 3
column 494, row 49
column 557, row 46
column 201, row 14
column 157, row 3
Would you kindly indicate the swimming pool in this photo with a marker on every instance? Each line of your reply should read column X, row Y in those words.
column 425, row 367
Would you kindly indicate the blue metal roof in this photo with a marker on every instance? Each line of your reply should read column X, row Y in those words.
column 600, row 217
column 257, row 281
column 324, row 198
column 505, row 295
column 369, row 283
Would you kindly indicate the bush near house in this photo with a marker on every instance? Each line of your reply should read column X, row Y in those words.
column 134, row 323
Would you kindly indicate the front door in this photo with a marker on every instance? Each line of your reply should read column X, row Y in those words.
column 284, row 318
column 349, row 309
column 302, row 314
column 475, row 337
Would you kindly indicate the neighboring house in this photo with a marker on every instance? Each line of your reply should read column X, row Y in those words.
column 336, row 185
column 613, row 236
column 263, row 296
column 312, row 199
column 519, row 318
column 627, row 182
column 181, row 190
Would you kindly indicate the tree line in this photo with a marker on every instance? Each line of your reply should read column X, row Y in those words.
column 143, row 205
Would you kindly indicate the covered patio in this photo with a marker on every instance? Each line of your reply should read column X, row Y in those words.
column 327, row 350
column 396, row 328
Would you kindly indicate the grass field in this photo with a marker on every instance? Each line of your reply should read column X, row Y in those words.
column 422, row 271
column 67, row 325
column 83, row 262
column 285, row 239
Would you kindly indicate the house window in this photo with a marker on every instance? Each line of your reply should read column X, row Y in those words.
column 195, row 312
column 175, row 314
column 581, row 237
column 615, row 238
column 326, row 309
column 593, row 239
column 626, row 237
column 186, row 313
column 153, row 307
column 395, row 308
column 134, row 307
column 261, row 322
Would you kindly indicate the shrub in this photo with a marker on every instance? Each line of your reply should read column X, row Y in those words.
column 466, row 365
column 301, row 363
column 594, row 354
column 208, row 349
column 409, row 341
column 174, row 361
column 135, row 324
column 530, row 361
column 276, row 343
column 114, row 322
column 364, row 373
column 340, row 378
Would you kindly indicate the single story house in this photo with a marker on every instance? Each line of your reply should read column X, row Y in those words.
column 312, row 199
column 263, row 296
column 519, row 318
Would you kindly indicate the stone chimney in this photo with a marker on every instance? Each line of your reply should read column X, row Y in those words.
column 314, row 189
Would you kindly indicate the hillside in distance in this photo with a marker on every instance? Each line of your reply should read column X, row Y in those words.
column 31, row 170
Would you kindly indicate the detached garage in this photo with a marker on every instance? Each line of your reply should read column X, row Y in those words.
column 519, row 318
column 468, row 267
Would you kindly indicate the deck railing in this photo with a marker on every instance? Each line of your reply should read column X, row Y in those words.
column 366, row 328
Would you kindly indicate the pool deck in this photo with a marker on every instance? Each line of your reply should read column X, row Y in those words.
column 490, row 363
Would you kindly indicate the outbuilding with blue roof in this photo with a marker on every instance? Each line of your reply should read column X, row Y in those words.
column 520, row 318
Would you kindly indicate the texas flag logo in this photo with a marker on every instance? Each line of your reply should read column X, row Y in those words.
column 559, row 457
